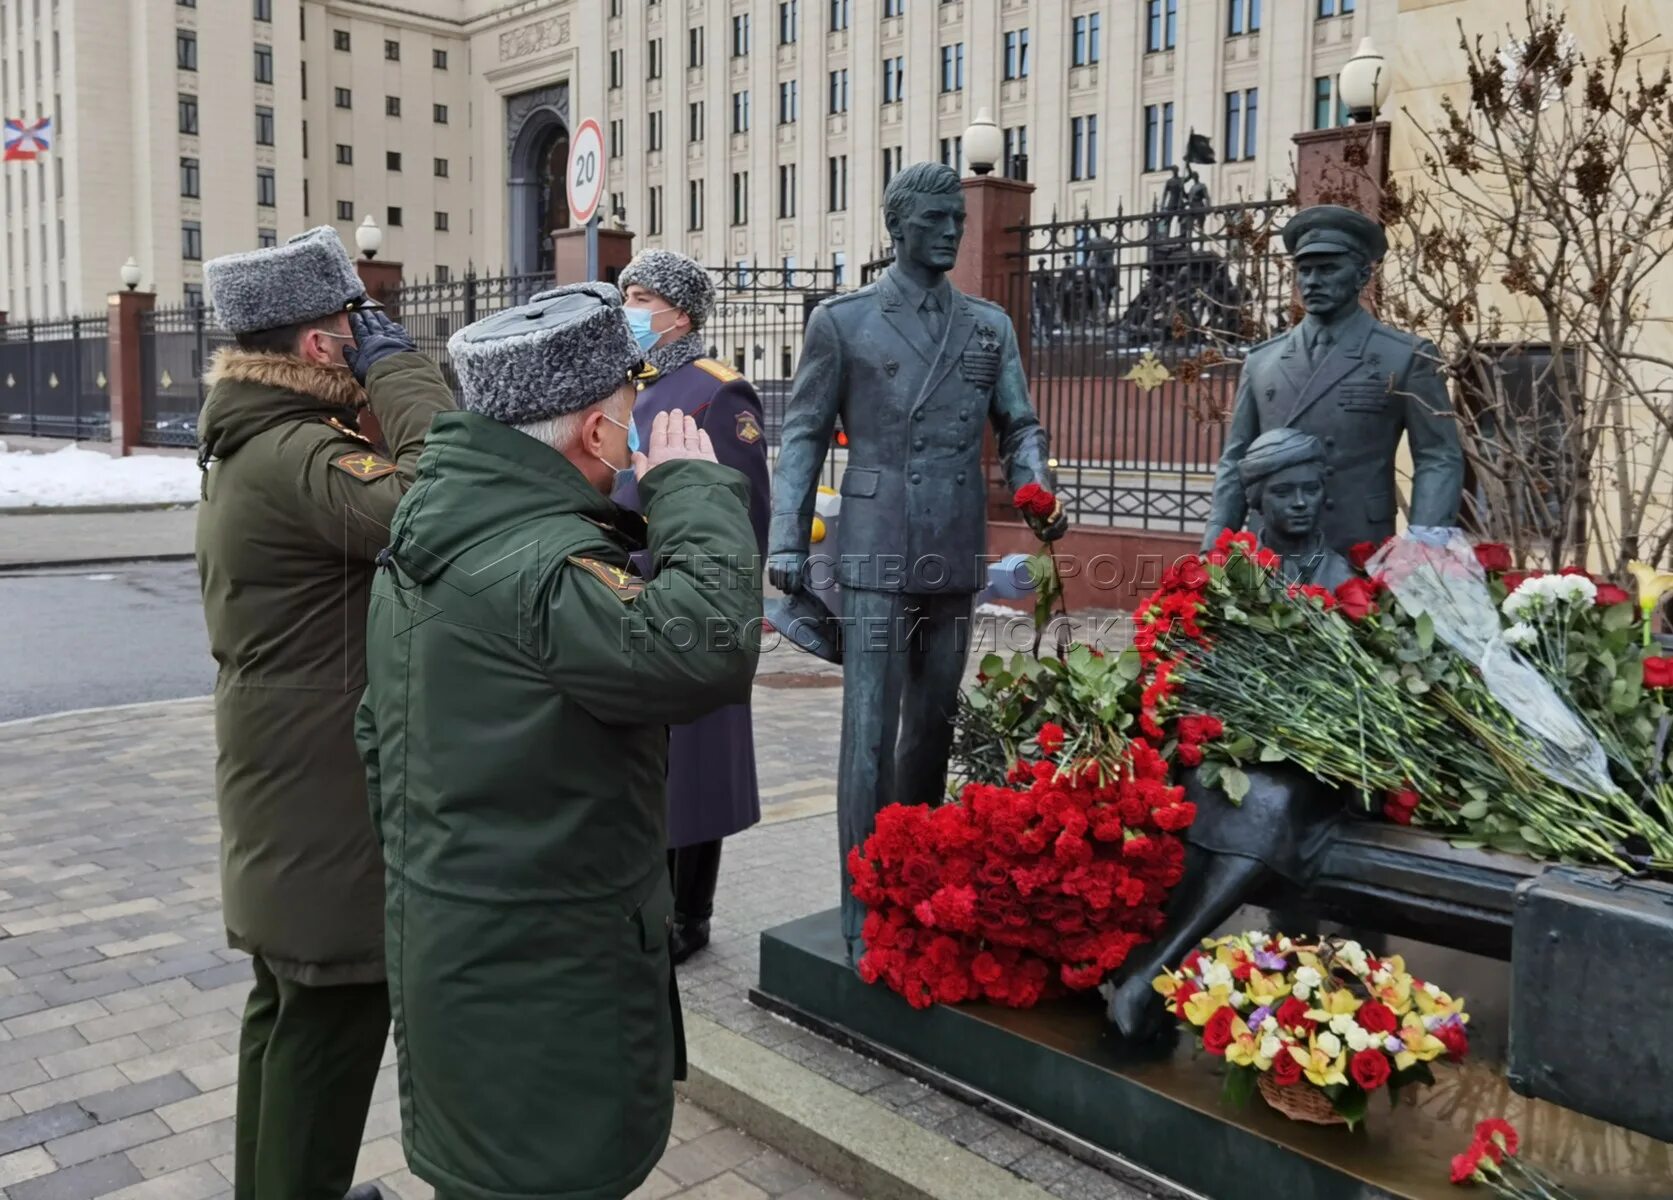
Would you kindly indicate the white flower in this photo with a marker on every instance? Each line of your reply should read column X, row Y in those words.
column 1308, row 977
column 1284, row 945
column 1575, row 590
column 1256, row 939
column 1521, row 634
column 1358, row 1039
column 1381, row 976
column 1434, row 991
column 1270, row 1047
column 1391, row 1040
column 1341, row 1023
column 1330, row 1044
column 1239, row 1000
column 1301, row 991
column 1432, row 1021
column 1216, row 973
column 1270, row 1025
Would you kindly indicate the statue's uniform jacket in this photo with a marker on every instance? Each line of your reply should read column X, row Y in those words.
column 1375, row 384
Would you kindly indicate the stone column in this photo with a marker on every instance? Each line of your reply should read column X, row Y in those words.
column 569, row 254
column 125, row 356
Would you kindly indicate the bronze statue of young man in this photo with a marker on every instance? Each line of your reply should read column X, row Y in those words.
column 914, row 368
column 1283, row 477
column 1353, row 383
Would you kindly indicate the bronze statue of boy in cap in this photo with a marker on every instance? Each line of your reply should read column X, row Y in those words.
column 1352, row 382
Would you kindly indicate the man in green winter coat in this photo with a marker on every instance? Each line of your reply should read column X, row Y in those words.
column 296, row 504
column 520, row 681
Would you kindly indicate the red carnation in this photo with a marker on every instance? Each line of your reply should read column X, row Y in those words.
column 1217, row 1034
column 1050, row 737
column 1494, row 1149
column 1608, row 595
column 1658, row 672
column 1286, row 1070
column 1456, row 1041
column 1369, row 1069
column 1357, row 598
column 1190, row 755
column 1399, row 806
column 1494, row 557
column 1464, row 1165
column 1292, row 1014
column 1191, row 573
column 1376, row 1017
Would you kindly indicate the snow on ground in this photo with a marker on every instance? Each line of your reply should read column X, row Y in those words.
column 73, row 476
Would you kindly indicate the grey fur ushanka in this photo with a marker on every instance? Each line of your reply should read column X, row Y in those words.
column 682, row 281
column 307, row 278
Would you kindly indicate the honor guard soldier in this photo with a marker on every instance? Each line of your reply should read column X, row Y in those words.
column 712, row 789
column 296, row 504
column 1352, row 382
column 520, row 682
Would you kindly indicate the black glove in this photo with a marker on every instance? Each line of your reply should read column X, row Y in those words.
column 376, row 337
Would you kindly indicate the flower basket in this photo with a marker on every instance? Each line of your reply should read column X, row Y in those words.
column 1299, row 1102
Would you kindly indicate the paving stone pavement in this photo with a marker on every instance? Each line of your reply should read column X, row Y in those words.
column 119, row 1002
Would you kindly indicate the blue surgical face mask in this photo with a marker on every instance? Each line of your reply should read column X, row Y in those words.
column 623, row 474
column 639, row 324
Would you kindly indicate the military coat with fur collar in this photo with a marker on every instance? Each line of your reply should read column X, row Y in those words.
column 296, row 506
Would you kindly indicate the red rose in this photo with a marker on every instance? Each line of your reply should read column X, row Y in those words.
column 1292, row 1014
column 1494, row 557
column 1608, row 595
column 1286, row 1069
column 1026, row 496
column 1399, row 806
column 1217, row 1034
column 1456, row 1041
column 1185, row 991
column 1357, row 598
column 1464, row 1165
column 1360, row 553
column 1050, row 737
column 1658, row 672
column 1376, row 1017
column 1369, row 1069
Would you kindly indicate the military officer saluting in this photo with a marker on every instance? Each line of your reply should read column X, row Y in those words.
column 1353, row 383
column 296, row 506
column 712, row 789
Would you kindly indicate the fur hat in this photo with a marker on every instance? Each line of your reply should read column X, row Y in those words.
column 564, row 351
column 682, row 281
column 309, row 277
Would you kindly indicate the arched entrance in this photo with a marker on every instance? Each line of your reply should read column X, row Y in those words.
column 537, row 146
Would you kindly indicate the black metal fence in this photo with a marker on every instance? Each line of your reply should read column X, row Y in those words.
column 52, row 378
column 175, row 347
column 434, row 310
column 1138, row 323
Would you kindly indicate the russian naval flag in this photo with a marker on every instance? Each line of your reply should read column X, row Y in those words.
column 26, row 142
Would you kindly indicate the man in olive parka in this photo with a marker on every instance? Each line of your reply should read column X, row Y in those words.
column 296, row 504
column 520, row 681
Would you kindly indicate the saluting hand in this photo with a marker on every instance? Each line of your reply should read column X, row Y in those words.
column 673, row 436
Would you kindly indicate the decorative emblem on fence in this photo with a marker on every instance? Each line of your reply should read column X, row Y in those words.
column 1148, row 373
column 101, row 381
column 52, row 379
column 167, row 380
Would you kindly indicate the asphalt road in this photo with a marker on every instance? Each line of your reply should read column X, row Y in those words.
column 85, row 639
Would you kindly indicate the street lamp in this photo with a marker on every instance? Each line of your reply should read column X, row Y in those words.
column 369, row 237
column 130, row 274
column 1364, row 83
column 983, row 143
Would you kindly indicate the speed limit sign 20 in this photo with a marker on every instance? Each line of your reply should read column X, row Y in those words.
column 586, row 171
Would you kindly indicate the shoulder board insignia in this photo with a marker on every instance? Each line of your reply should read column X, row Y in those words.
column 624, row 585
column 347, row 431
column 719, row 370
column 364, row 467
column 749, row 429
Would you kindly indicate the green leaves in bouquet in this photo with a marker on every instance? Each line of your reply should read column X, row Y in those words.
column 1349, row 1101
column 1240, row 1085
column 1417, row 1073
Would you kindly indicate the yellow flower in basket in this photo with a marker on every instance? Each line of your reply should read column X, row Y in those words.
column 1203, row 1005
column 1245, row 1048
column 1339, row 1001
column 1266, row 991
column 1167, row 984
column 1420, row 1044
column 1323, row 1069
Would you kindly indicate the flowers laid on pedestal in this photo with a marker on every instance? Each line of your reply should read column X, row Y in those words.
column 1491, row 1159
column 1316, row 1028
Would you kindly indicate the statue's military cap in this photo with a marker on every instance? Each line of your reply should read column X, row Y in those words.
column 563, row 351
column 682, row 281
column 1332, row 229
column 1277, row 450
column 307, row 278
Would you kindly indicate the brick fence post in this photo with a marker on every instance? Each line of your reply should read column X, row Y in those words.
column 1347, row 166
column 569, row 254
column 126, row 367
column 382, row 281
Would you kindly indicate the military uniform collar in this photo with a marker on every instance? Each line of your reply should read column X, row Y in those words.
column 676, row 354
column 517, row 454
column 1349, row 329
column 913, row 295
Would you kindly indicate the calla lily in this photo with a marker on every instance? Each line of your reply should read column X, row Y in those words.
column 1653, row 583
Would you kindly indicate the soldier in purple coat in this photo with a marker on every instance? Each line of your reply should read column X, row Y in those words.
column 712, row 790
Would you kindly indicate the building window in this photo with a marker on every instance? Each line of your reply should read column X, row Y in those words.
column 616, row 138
column 345, row 155
column 264, row 10
column 618, row 202
column 740, row 197
column 694, row 204
column 188, row 113
column 392, row 160
column 789, row 19
column 1088, row 39
column 1016, row 54
column 655, row 59
column 1329, row 112
column 1158, row 136
column 307, row 207
column 439, row 112
column 267, row 238
column 345, row 98
column 191, row 241
column 1016, row 147
column 694, row 121
column 740, row 35
column 653, row 210
column 439, row 168
column 837, row 177
column 392, row 216
column 839, row 15
column 694, row 46
column 391, row 51
column 1161, row 25
column 740, row 112
column 267, row 189
column 787, row 190
column 193, row 295
column 189, row 180
column 952, row 153
column 264, row 127
column 891, row 163
column 441, row 222
column 839, row 91
column 264, row 67
column 615, row 68
column 185, row 50
column 894, row 8
column 438, row 59
column 444, row 274
column 1245, row 17
column 894, row 80
column 1240, row 124
column 1335, row 8
column 345, row 210
column 392, row 106
column 952, row 67
column 839, row 268
column 304, row 136
column 789, row 102
column 301, row 70
column 340, row 39
column 653, row 131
